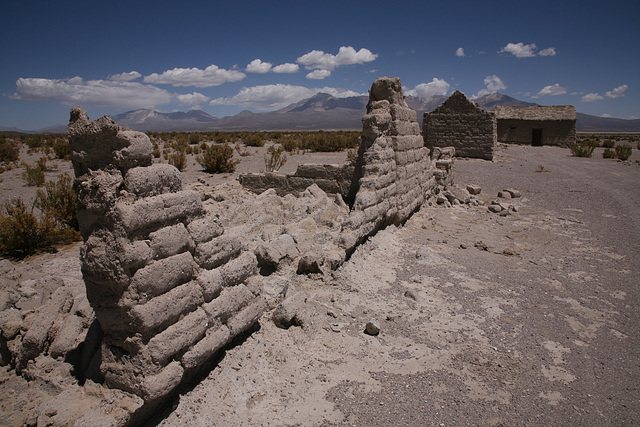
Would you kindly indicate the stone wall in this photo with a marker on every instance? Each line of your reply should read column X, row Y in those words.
column 462, row 124
column 164, row 280
column 537, row 125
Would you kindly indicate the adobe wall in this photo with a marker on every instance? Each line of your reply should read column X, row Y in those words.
column 171, row 286
column 164, row 279
column 462, row 124
column 332, row 179
column 554, row 132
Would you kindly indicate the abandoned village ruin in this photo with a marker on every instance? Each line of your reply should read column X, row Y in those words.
column 172, row 277
column 172, row 285
column 537, row 125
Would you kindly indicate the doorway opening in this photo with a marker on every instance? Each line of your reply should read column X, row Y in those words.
column 536, row 137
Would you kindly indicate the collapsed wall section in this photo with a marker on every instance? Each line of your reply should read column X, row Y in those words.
column 165, row 281
column 462, row 124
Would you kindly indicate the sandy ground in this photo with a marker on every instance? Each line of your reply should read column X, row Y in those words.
column 529, row 319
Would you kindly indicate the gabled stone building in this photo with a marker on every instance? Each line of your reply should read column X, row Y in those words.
column 463, row 124
column 537, row 125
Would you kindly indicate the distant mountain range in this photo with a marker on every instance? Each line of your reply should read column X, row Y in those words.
column 320, row 112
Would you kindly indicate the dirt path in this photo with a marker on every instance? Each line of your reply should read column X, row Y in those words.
column 485, row 320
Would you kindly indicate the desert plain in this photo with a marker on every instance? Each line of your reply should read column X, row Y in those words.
column 524, row 319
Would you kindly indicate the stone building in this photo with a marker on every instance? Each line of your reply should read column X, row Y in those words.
column 463, row 124
column 537, row 125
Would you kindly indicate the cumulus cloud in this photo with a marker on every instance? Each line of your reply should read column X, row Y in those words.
column 274, row 97
column 191, row 99
column 493, row 83
column 617, row 92
column 258, row 67
column 550, row 51
column 460, row 52
column 592, row 97
column 210, row 76
column 76, row 91
column 612, row 94
column 347, row 55
column 286, row 68
column 318, row 74
column 427, row 90
column 521, row 50
column 553, row 90
column 125, row 77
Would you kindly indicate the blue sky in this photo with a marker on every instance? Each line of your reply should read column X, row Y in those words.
column 224, row 57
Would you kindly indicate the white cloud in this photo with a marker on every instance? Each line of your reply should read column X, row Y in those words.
column 553, row 90
column 493, row 83
column 318, row 74
column 76, row 91
column 550, row 51
column 125, row 77
column 460, row 51
column 592, row 97
column 347, row 55
column 521, row 50
column 258, row 67
column 286, row 68
column 210, row 76
column 427, row 90
column 192, row 99
column 274, row 97
column 617, row 92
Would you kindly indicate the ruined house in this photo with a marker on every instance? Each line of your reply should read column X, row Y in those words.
column 462, row 124
column 537, row 125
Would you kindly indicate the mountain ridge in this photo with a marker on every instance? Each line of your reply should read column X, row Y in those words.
column 320, row 112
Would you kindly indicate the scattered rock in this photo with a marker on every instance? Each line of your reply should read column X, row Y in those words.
column 474, row 189
column 372, row 328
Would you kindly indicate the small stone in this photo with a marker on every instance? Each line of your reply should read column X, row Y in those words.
column 495, row 208
column 372, row 328
column 504, row 195
column 481, row 245
column 513, row 193
column 463, row 246
column 474, row 189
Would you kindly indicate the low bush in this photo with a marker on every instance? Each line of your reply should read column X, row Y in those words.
column 583, row 149
column 608, row 143
column 179, row 160
column 217, row 159
column 33, row 176
column 22, row 233
column 254, row 139
column 61, row 148
column 195, row 138
column 623, row 152
column 275, row 158
column 9, row 150
column 608, row 153
column 58, row 202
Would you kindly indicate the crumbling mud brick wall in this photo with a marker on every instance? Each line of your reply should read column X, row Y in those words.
column 164, row 280
column 537, row 125
column 393, row 171
column 332, row 179
column 171, row 287
column 462, row 124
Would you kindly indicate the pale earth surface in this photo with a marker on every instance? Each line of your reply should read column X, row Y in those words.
column 538, row 329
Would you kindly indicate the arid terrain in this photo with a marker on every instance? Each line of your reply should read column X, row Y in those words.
column 525, row 319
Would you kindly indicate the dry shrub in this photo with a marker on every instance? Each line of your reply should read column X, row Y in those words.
column 22, row 233
column 9, row 151
column 623, row 152
column 179, row 160
column 58, row 202
column 583, row 149
column 217, row 159
column 608, row 153
column 275, row 159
